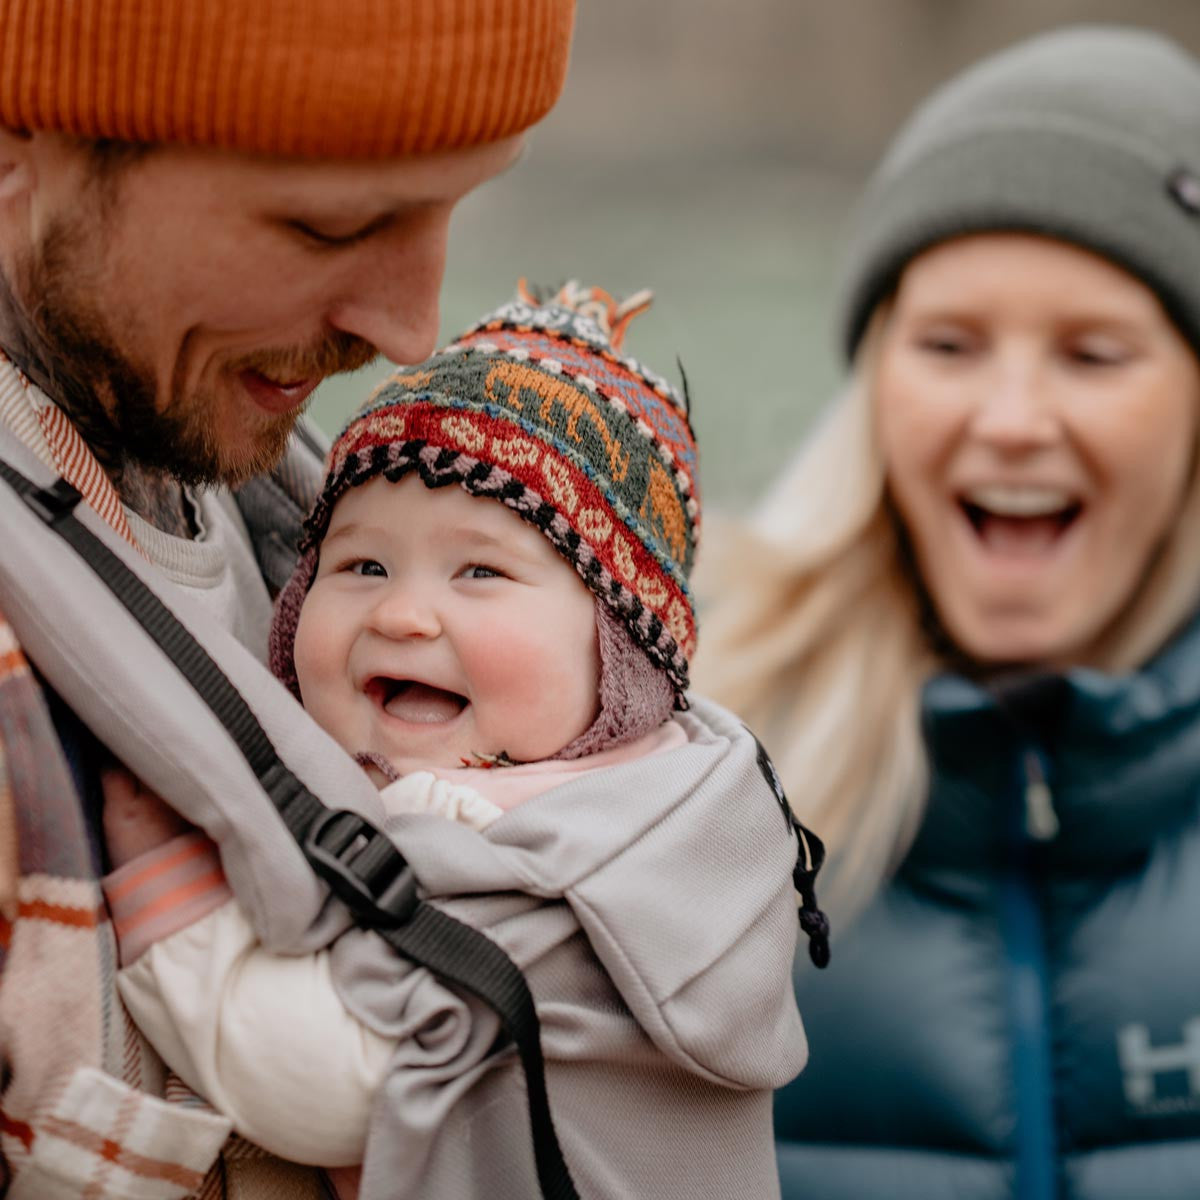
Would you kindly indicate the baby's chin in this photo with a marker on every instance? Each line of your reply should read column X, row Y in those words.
column 397, row 766
column 383, row 769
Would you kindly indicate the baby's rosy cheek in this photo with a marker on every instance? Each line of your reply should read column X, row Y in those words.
column 515, row 666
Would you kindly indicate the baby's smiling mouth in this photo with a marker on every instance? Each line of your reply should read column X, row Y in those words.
column 415, row 701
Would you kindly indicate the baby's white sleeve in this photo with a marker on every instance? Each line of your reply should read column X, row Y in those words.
column 263, row 1037
column 423, row 792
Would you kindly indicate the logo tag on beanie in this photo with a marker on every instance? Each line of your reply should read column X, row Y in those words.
column 1183, row 186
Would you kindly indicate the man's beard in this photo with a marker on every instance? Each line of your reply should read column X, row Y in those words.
column 60, row 339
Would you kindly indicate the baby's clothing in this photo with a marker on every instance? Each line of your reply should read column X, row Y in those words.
column 501, row 788
column 646, row 893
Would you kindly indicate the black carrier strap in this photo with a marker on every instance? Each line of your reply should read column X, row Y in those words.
column 361, row 865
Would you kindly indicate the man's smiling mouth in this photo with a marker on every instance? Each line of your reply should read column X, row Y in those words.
column 414, row 701
column 277, row 396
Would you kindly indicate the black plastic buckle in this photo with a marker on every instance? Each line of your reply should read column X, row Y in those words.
column 362, row 867
column 53, row 503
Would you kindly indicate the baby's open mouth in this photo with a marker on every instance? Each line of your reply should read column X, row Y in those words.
column 1020, row 520
column 412, row 700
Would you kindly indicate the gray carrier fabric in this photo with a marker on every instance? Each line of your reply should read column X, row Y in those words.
column 675, row 872
column 1014, row 1020
column 134, row 699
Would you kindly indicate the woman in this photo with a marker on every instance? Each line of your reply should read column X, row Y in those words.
column 965, row 626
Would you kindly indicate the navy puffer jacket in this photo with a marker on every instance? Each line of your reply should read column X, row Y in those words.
column 1017, row 1016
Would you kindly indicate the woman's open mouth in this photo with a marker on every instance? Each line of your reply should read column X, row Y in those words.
column 414, row 701
column 1020, row 521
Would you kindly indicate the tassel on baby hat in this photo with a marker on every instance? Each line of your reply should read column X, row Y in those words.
column 537, row 407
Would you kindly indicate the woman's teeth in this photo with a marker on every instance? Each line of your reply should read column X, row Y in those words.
column 1020, row 521
column 1003, row 501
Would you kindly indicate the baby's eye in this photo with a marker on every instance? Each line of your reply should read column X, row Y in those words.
column 479, row 571
column 368, row 567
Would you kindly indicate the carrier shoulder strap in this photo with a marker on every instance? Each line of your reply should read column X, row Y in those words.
column 359, row 863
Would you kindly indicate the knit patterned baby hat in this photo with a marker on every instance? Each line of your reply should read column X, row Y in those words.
column 537, row 408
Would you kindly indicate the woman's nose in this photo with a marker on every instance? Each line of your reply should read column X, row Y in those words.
column 1015, row 407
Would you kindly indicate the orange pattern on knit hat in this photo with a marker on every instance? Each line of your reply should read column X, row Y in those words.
column 309, row 78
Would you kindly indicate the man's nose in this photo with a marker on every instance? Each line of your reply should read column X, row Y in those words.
column 390, row 296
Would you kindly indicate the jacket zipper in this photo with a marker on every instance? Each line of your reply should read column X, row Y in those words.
column 1041, row 821
column 1036, row 1166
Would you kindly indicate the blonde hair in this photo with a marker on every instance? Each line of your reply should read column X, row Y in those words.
column 814, row 634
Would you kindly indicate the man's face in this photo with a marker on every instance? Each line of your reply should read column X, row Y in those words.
column 185, row 304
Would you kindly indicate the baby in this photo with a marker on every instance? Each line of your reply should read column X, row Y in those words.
column 491, row 613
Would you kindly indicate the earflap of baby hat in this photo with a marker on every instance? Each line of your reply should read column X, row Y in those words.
column 281, row 646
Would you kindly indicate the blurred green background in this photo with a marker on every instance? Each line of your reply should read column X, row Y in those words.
column 712, row 150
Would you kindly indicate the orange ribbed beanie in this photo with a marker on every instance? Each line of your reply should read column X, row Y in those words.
column 311, row 78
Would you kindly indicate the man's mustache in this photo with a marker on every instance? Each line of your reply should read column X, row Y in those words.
column 334, row 354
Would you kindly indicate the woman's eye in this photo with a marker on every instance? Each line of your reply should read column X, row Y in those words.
column 947, row 344
column 368, row 567
column 1100, row 353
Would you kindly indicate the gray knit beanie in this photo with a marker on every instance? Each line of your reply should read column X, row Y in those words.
column 1088, row 134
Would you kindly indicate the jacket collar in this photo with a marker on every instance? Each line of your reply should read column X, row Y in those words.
column 1120, row 753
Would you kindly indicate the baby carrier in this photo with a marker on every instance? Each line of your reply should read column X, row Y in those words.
column 187, row 709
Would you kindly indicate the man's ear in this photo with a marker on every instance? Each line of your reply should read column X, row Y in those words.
column 17, row 174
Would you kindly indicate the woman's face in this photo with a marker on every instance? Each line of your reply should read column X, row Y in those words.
column 1037, row 417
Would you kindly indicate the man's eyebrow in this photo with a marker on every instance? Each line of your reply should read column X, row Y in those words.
column 364, row 219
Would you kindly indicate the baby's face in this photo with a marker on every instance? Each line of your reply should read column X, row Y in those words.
column 441, row 626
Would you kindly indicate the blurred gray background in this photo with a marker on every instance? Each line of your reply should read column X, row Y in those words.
column 712, row 150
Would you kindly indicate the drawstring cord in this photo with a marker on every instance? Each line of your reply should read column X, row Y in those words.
column 810, row 856
column 812, row 920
